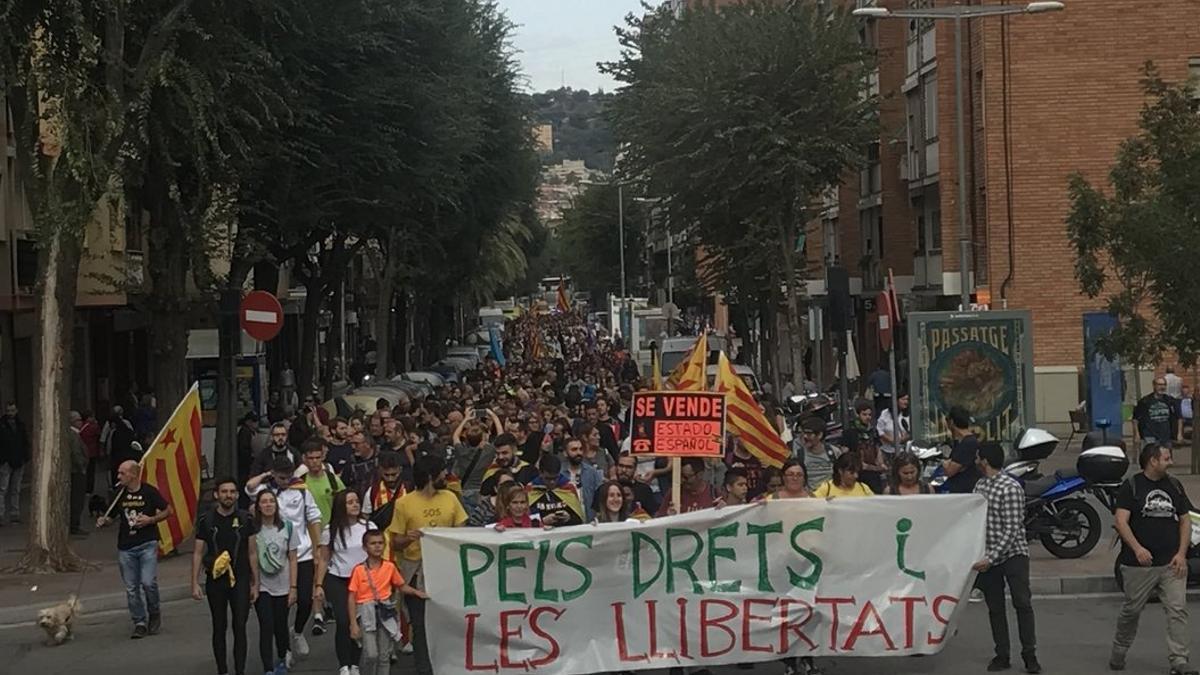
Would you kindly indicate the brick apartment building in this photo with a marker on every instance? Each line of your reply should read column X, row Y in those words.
column 1047, row 95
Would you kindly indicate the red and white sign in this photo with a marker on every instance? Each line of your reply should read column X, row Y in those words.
column 261, row 316
column 886, row 314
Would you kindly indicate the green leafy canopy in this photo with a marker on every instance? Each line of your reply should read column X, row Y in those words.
column 1135, row 245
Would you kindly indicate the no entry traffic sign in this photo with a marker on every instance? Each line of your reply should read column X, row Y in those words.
column 261, row 316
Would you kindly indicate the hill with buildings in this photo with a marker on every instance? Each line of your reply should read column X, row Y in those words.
column 577, row 127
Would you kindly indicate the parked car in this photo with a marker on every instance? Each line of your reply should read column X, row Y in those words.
column 468, row 353
column 426, row 376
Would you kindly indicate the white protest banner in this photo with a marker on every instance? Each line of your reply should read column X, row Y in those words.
column 878, row 576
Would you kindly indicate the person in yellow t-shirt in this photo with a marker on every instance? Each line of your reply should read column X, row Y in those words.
column 429, row 505
column 844, row 482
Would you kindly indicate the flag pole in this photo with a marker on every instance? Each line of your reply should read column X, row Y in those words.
column 893, row 314
column 676, row 483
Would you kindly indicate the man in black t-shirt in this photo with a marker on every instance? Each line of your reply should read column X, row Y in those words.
column 961, row 474
column 225, row 549
column 140, row 508
column 1152, row 521
column 341, row 453
column 1156, row 416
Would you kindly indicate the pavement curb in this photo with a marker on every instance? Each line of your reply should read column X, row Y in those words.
column 26, row 615
column 1082, row 585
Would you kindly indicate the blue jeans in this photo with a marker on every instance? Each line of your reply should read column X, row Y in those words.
column 139, row 570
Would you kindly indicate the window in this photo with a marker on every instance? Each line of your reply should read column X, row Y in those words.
column 870, row 178
column 915, row 142
column 829, row 235
column 929, row 93
column 27, row 263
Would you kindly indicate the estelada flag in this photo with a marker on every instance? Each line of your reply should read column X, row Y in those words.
column 562, row 302
column 745, row 420
column 172, row 466
column 690, row 375
column 564, row 493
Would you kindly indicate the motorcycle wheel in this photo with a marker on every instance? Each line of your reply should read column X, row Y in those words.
column 1082, row 534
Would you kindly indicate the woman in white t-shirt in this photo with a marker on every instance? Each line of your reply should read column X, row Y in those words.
column 342, row 550
column 278, row 543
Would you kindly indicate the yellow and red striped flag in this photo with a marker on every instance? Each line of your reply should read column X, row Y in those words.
column 690, row 374
column 172, row 466
column 656, row 371
column 746, row 420
column 563, row 304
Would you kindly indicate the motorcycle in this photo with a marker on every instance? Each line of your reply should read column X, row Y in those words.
column 1057, row 511
column 815, row 404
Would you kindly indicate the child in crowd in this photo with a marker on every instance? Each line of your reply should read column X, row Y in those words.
column 373, row 616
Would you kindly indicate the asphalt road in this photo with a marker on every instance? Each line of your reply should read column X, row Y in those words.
column 1074, row 634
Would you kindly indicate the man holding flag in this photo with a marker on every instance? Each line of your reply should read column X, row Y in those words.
column 157, row 509
column 141, row 508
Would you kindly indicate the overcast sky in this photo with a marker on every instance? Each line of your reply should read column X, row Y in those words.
column 560, row 41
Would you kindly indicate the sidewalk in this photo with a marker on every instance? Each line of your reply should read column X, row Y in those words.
column 21, row 595
column 1093, row 573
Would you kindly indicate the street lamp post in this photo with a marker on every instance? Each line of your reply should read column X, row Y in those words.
column 626, row 327
column 959, row 13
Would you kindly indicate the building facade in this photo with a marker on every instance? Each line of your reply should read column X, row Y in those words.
column 1045, row 96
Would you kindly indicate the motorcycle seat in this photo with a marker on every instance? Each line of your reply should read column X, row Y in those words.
column 1035, row 488
column 1064, row 474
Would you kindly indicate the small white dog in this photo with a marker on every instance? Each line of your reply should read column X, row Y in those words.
column 57, row 620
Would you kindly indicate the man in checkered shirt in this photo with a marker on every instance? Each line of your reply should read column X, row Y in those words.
column 1006, row 559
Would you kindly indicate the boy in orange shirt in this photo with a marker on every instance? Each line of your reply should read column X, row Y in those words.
column 373, row 615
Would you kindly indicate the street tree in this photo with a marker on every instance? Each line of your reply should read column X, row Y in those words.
column 739, row 117
column 1132, row 240
column 589, row 239
column 75, row 76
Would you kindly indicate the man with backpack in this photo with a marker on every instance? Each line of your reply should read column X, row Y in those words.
column 224, row 541
column 816, row 455
column 1152, row 521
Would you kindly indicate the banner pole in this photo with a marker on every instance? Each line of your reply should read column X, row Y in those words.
column 676, row 487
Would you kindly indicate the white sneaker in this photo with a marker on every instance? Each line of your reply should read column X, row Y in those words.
column 288, row 660
column 354, row 670
column 299, row 644
column 406, row 648
column 344, row 670
column 976, row 595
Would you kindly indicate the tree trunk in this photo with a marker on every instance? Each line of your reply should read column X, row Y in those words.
column 169, row 318
column 168, row 362
column 792, row 304
column 47, row 548
column 333, row 343
column 229, row 341
column 310, row 323
column 402, row 323
column 1195, row 436
column 384, row 325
